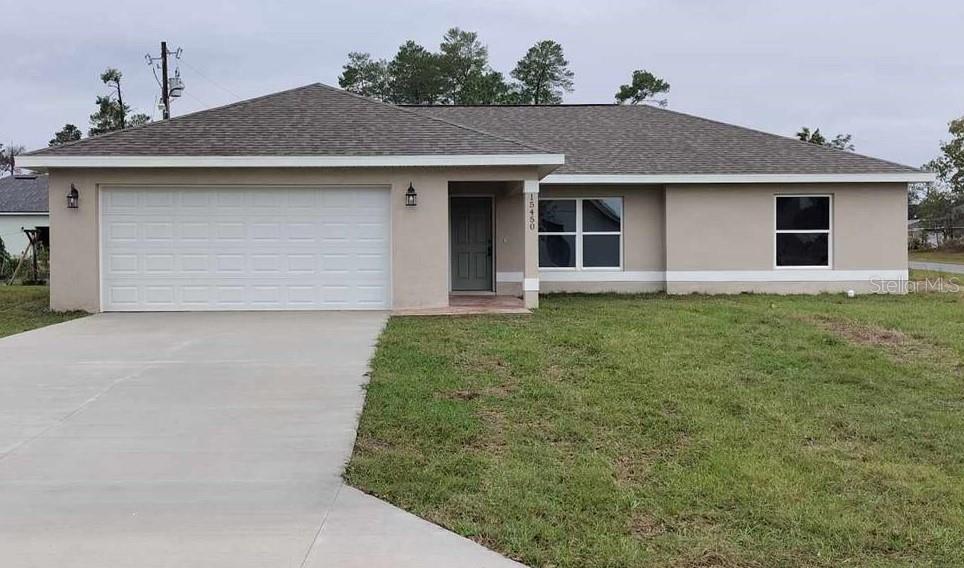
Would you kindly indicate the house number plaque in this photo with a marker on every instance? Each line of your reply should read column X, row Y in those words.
column 532, row 212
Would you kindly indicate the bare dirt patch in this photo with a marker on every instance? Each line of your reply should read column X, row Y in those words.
column 644, row 526
column 897, row 344
column 492, row 441
column 500, row 391
column 370, row 445
column 631, row 470
column 634, row 469
column 710, row 559
column 863, row 334
column 462, row 394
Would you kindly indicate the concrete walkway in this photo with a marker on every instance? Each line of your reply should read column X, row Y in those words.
column 937, row 266
column 197, row 440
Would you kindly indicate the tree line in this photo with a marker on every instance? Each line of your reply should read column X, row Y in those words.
column 459, row 73
column 940, row 205
column 838, row 142
column 112, row 112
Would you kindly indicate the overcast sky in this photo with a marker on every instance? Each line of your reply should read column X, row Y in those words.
column 890, row 73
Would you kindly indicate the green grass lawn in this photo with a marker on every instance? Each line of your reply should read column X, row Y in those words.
column 607, row 431
column 948, row 256
column 25, row 307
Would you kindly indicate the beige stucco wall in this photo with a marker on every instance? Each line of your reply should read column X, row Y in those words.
column 677, row 228
column 420, row 265
column 731, row 228
column 510, row 244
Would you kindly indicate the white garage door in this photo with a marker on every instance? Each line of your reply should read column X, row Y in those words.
column 182, row 248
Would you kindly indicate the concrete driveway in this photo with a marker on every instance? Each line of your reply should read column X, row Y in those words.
column 190, row 439
column 937, row 266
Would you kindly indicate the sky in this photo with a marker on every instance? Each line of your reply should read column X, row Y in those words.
column 889, row 73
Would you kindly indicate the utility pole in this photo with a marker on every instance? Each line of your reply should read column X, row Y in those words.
column 165, row 90
column 171, row 87
column 120, row 105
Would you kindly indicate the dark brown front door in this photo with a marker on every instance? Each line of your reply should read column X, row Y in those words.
column 471, row 243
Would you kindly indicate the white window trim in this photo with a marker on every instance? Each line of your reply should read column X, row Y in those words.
column 828, row 231
column 578, row 234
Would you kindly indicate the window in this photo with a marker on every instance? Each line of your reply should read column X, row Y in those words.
column 803, row 231
column 581, row 233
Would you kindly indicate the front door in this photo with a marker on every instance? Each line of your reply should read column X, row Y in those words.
column 471, row 243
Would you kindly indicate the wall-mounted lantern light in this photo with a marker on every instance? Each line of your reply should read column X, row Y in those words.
column 73, row 198
column 411, row 198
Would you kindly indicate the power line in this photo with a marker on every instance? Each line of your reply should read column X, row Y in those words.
column 202, row 103
column 209, row 80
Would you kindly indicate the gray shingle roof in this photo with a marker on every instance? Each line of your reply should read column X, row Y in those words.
column 315, row 120
column 623, row 139
column 318, row 120
column 23, row 194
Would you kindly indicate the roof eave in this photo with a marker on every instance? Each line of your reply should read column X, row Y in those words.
column 662, row 179
column 545, row 162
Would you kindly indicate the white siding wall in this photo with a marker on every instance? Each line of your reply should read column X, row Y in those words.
column 10, row 232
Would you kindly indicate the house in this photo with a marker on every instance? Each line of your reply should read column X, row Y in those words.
column 937, row 232
column 315, row 198
column 23, row 205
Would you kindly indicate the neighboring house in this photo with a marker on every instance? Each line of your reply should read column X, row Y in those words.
column 23, row 204
column 300, row 200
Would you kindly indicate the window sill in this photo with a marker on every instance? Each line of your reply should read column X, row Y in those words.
column 584, row 269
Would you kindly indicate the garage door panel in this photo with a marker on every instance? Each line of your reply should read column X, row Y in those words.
column 245, row 248
column 193, row 231
column 188, row 200
column 248, row 296
column 335, row 232
column 122, row 231
column 301, row 230
column 262, row 264
column 160, row 264
column 159, row 295
column 118, row 201
column 229, row 199
column 163, row 200
column 121, row 295
column 122, row 264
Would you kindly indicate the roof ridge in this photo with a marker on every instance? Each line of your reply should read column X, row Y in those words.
column 513, row 105
column 172, row 119
column 406, row 109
